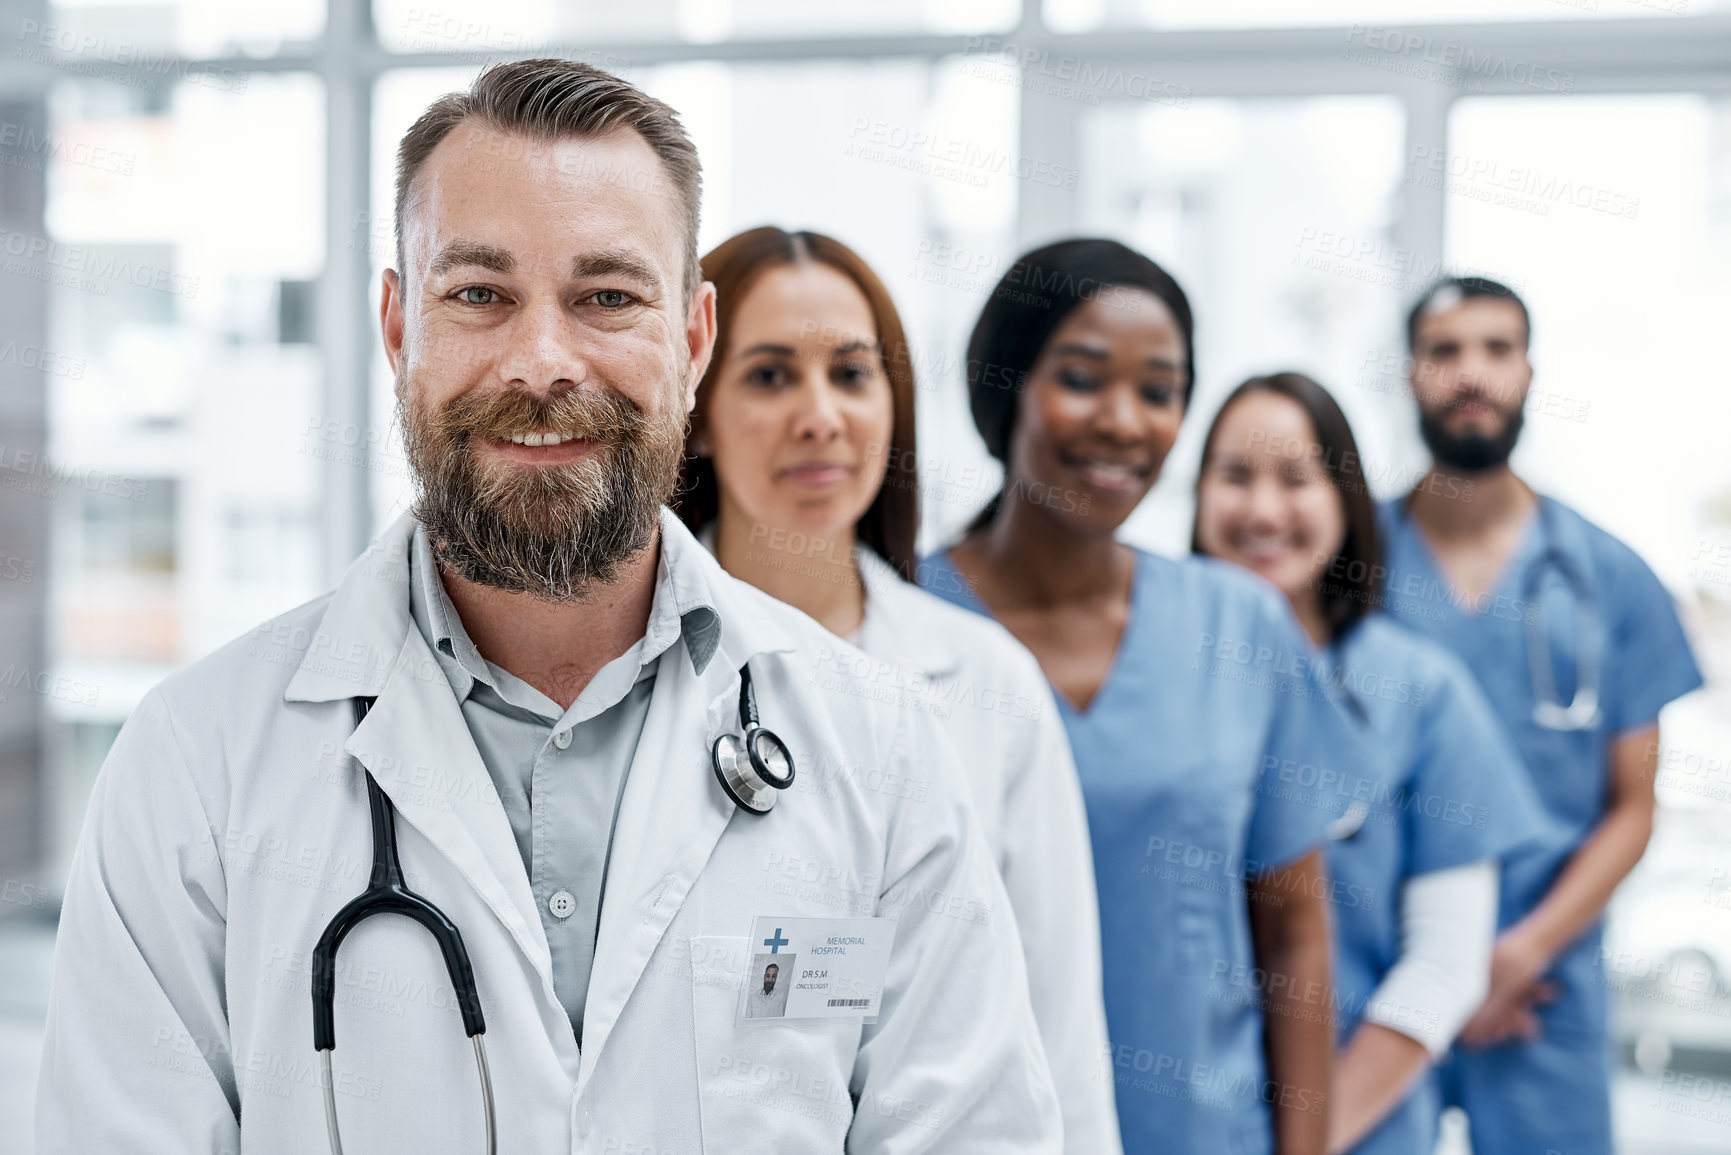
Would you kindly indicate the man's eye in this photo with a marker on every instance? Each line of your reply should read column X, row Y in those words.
column 482, row 295
column 612, row 298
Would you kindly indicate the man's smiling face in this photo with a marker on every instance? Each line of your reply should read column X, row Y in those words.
column 545, row 351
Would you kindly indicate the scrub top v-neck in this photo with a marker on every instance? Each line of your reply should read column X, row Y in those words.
column 1198, row 756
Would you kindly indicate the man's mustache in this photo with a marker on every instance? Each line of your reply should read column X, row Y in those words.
column 500, row 415
column 1475, row 396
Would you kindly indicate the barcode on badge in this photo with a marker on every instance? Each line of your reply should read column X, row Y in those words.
column 850, row 1002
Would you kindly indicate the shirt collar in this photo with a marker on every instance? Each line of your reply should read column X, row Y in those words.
column 681, row 608
column 365, row 637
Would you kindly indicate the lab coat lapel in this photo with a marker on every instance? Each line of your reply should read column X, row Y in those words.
column 416, row 744
column 414, row 739
column 671, row 816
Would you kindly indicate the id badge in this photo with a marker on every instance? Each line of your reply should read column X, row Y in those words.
column 815, row 968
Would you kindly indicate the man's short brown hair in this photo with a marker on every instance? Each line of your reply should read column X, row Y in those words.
column 549, row 99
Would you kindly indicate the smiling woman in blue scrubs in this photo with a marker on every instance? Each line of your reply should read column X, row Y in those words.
column 1188, row 694
column 1416, row 844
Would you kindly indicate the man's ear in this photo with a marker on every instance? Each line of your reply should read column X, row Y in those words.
column 700, row 327
column 391, row 318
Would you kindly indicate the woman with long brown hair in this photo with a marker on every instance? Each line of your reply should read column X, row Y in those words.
column 800, row 474
column 1417, row 842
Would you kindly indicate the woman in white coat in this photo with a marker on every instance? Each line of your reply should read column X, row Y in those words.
column 800, row 475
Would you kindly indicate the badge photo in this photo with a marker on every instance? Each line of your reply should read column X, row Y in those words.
column 815, row 968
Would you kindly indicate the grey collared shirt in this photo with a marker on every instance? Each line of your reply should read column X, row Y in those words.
column 559, row 772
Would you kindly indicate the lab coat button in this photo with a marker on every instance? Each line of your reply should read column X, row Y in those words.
column 562, row 739
column 561, row 905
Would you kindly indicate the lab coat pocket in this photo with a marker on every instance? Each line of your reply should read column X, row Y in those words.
column 764, row 1086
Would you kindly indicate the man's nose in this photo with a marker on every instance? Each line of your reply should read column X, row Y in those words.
column 542, row 349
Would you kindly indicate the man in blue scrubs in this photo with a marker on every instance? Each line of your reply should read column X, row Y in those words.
column 1578, row 646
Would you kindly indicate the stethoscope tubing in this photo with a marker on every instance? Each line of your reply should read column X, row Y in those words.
column 1581, row 712
column 758, row 766
column 387, row 893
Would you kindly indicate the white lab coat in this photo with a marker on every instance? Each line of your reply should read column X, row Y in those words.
column 993, row 699
column 228, row 825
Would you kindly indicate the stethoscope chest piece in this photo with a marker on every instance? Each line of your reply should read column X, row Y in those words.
column 753, row 766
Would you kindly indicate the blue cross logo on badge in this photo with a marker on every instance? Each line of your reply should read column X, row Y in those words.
column 776, row 942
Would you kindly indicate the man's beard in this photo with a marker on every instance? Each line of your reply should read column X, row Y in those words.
column 552, row 531
column 1469, row 452
column 768, row 987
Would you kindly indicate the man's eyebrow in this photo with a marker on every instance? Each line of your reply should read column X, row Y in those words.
column 617, row 263
column 467, row 254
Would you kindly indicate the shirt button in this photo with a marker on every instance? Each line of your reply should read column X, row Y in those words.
column 561, row 905
column 562, row 739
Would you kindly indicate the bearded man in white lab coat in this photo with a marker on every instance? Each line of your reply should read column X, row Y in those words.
column 550, row 657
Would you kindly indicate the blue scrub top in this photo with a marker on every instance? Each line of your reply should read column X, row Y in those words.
column 1191, row 758
column 1446, row 789
column 1643, row 662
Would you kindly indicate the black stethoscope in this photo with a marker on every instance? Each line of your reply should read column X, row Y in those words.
column 387, row 894
column 750, row 768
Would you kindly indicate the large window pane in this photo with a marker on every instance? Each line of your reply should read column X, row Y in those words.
column 183, row 230
column 148, row 34
column 1613, row 210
